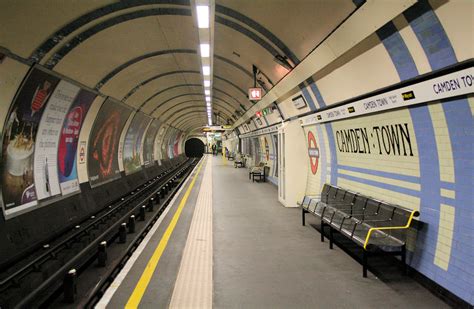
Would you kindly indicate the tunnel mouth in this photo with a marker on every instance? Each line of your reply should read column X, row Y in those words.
column 194, row 148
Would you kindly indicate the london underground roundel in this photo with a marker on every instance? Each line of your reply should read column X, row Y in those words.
column 313, row 152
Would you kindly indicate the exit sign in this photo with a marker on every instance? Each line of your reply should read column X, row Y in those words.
column 255, row 94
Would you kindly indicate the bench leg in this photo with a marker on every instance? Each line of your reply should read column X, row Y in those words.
column 364, row 264
column 303, row 217
column 322, row 230
column 404, row 260
column 331, row 240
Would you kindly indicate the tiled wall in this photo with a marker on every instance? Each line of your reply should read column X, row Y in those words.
column 429, row 164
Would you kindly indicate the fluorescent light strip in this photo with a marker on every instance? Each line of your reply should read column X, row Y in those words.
column 203, row 16
column 205, row 50
column 203, row 13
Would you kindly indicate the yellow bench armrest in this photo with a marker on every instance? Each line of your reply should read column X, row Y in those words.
column 413, row 214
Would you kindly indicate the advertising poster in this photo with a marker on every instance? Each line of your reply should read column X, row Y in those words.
column 159, row 144
column 67, row 150
column 148, row 147
column 45, row 158
column 176, row 144
column 132, row 147
column 19, row 137
column 164, row 144
column 170, row 142
column 102, row 157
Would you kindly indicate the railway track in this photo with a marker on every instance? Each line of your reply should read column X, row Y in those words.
column 75, row 270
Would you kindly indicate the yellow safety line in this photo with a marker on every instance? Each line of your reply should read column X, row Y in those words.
column 388, row 228
column 145, row 278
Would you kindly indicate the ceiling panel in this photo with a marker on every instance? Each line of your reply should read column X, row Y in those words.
column 299, row 24
column 34, row 21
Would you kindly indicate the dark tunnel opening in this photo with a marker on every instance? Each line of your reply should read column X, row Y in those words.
column 194, row 147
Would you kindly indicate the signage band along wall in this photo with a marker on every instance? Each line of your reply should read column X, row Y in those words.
column 266, row 130
column 442, row 87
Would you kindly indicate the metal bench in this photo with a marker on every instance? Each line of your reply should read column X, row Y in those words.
column 260, row 175
column 256, row 169
column 239, row 161
column 377, row 227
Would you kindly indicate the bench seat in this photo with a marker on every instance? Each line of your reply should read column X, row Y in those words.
column 374, row 225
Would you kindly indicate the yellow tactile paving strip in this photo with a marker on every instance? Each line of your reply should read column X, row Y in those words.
column 193, row 287
column 147, row 274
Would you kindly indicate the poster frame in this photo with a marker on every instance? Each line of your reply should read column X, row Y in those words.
column 132, row 110
column 40, row 203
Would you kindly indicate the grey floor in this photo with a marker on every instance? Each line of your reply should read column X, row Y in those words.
column 159, row 291
column 264, row 258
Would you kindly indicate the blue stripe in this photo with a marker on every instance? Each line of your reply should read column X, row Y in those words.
column 382, row 185
column 448, row 185
column 316, row 92
column 448, row 200
column 395, row 176
column 440, row 53
column 322, row 154
column 431, row 35
column 328, row 126
column 307, row 97
column 332, row 147
column 461, row 132
column 426, row 143
column 398, row 51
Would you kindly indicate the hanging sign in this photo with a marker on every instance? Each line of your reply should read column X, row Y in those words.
column 255, row 94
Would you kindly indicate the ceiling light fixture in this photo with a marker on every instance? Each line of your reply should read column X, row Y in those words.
column 203, row 16
column 204, row 50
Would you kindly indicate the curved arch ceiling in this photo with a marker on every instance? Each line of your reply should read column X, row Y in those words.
column 145, row 52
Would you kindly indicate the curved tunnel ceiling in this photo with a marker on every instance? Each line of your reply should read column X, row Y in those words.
column 145, row 52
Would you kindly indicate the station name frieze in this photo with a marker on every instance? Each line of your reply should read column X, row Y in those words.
column 393, row 139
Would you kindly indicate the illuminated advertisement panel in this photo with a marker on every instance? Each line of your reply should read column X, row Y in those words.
column 132, row 147
column 46, row 149
column 67, row 149
column 19, row 140
column 102, row 157
column 148, row 148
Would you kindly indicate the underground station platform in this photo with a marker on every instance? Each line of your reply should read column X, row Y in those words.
column 237, row 154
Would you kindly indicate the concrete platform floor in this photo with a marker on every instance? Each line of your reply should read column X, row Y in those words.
column 263, row 257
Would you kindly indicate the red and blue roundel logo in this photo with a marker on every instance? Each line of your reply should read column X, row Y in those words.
column 313, row 152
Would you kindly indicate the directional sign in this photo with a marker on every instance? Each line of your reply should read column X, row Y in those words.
column 255, row 94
